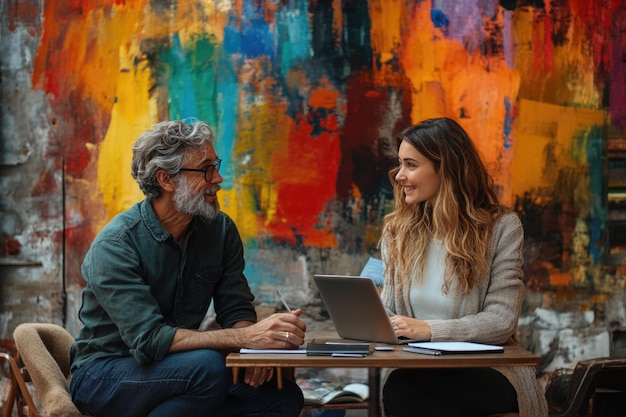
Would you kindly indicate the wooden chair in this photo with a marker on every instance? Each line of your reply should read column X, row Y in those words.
column 17, row 385
column 43, row 359
column 595, row 387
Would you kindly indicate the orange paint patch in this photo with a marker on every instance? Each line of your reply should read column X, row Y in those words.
column 558, row 279
column 322, row 97
column 385, row 16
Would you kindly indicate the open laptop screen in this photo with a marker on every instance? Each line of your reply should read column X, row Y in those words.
column 356, row 309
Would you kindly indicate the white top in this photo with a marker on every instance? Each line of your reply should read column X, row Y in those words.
column 426, row 297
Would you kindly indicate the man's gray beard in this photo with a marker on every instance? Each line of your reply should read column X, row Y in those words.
column 188, row 201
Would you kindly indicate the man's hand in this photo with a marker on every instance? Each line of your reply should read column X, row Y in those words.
column 278, row 331
column 255, row 377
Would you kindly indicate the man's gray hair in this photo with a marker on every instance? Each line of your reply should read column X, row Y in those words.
column 164, row 148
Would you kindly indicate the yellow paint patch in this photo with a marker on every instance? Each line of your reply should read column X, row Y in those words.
column 191, row 21
column 570, row 78
column 263, row 134
column 95, row 52
column 543, row 141
column 236, row 203
column 133, row 113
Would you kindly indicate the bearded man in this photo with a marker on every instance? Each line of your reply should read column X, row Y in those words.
column 151, row 274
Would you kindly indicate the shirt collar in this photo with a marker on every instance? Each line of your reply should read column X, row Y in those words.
column 152, row 222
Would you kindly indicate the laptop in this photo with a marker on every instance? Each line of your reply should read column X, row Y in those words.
column 356, row 309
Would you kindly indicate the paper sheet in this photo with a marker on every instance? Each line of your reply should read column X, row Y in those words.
column 277, row 351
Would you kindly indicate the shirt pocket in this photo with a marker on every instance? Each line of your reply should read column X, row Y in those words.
column 203, row 287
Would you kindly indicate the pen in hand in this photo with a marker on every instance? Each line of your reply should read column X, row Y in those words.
column 284, row 302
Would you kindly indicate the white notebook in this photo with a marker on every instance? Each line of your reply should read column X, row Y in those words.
column 449, row 348
column 274, row 351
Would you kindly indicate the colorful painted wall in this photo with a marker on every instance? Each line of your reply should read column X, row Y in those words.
column 305, row 97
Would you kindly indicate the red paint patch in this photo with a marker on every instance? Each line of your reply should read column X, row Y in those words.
column 78, row 239
column 364, row 160
column 10, row 246
column 597, row 17
column 46, row 185
column 25, row 14
column 76, row 159
column 305, row 178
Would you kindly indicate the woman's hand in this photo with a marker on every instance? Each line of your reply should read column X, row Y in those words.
column 410, row 327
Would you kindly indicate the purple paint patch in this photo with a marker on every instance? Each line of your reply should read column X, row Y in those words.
column 509, row 52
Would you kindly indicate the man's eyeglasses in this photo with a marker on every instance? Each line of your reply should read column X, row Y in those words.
column 208, row 171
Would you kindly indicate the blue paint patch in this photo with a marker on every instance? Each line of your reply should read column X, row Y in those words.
column 257, row 39
column 232, row 41
column 294, row 35
column 228, row 104
column 228, row 90
column 182, row 96
column 251, row 9
column 440, row 20
column 263, row 276
column 508, row 123
column 598, row 209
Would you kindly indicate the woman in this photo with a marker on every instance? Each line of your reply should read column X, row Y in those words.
column 453, row 271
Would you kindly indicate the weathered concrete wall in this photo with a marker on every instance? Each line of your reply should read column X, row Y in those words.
column 31, row 180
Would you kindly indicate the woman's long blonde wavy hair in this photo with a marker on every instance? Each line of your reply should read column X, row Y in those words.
column 462, row 216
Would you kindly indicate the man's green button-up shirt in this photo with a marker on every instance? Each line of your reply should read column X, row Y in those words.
column 141, row 285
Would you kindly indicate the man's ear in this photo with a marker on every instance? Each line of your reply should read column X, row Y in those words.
column 165, row 181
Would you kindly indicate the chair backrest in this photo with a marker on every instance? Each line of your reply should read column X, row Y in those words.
column 569, row 393
column 43, row 348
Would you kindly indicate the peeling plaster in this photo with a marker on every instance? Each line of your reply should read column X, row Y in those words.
column 550, row 319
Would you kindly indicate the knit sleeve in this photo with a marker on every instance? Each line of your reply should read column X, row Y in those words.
column 489, row 312
column 388, row 294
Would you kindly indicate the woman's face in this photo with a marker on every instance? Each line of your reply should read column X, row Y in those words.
column 416, row 175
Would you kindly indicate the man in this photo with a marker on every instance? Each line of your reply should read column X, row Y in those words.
column 151, row 274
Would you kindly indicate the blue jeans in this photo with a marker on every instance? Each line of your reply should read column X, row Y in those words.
column 192, row 383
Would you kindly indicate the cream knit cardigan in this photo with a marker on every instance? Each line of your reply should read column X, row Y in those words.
column 489, row 312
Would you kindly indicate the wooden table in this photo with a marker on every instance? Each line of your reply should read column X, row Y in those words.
column 512, row 356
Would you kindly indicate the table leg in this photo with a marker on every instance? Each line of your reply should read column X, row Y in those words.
column 235, row 375
column 279, row 377
column 373, row 380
